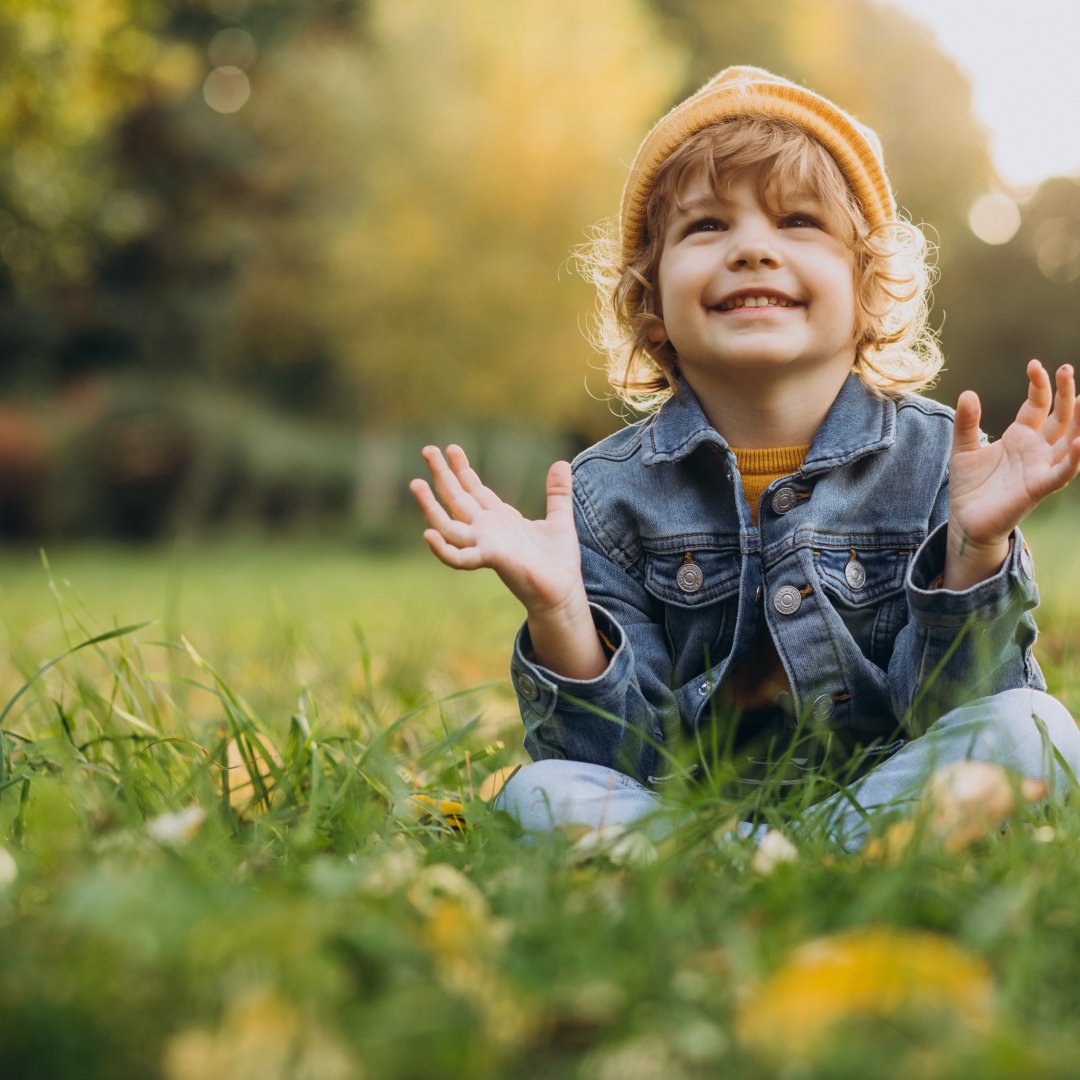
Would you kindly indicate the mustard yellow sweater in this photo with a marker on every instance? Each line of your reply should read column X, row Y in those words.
column 759, row 468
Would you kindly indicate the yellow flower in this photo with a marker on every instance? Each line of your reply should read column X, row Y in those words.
column 448, row 811
column 871, row 972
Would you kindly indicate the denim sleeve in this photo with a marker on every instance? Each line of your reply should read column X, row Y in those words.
column 962, row 645
column 618, row 718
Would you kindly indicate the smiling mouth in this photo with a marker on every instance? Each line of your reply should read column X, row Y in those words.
column 755, row 302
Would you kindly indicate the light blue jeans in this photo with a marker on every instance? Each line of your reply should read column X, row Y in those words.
column 1025, row 730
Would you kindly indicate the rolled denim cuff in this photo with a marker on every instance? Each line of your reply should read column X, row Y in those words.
column 1011, row 588
column 539, row 689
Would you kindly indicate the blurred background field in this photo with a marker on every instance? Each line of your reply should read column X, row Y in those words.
column 255, row 253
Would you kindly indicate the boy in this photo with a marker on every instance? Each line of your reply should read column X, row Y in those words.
column 794, row 557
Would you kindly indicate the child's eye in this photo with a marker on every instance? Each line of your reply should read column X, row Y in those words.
column 799, row 221
column 704, row 224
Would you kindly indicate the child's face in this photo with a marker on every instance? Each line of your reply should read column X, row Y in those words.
column 746, row 290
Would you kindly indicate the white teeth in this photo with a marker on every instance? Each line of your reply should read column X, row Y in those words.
column 756, row 301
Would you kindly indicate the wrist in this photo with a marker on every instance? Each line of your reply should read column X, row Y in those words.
column 565, row 639
column 968, row 561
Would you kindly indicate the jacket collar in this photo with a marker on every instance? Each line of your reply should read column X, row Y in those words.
column 857, row 423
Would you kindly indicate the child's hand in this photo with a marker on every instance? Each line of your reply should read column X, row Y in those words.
column 538, row 561
column 993, row 486
column 472, row 527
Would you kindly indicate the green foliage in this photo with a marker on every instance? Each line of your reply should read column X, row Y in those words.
column 210, row 863
column 72, row 70
column 378, row 236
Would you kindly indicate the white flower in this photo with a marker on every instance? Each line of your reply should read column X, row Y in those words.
column 178, row 827
column 775, row 848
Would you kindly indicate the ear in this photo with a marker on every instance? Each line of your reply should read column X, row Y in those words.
column 657, row 334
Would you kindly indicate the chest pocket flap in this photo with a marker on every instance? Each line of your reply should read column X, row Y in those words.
column 862, row 576
column 691, row 577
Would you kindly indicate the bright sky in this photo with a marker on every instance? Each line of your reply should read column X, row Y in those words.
column 1022, row 59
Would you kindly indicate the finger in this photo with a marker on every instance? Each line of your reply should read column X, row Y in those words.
column 1065, row 400
column 458, row 558
column 1064, row 470
column 454, row 496
column 469, row 478
column 1036, row 409
column 966, row 435
column 456, row 532
column 559, row 490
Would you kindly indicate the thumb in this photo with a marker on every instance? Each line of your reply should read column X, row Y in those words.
column 966, row 435
column 559, row 489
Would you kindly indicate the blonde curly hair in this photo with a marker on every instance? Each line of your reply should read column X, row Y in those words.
column 897, row 352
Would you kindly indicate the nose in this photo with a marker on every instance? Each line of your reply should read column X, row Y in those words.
column 752, row 246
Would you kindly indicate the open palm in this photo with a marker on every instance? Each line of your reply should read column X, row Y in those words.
column 993, row 486
column 470, row 527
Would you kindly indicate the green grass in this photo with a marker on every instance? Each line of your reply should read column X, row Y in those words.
column 169, row 916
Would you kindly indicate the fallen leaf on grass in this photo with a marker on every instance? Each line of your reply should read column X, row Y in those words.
column 252, row 785
column 874, row 972
column 967, row 800
column 960, row 804
column 494, row 783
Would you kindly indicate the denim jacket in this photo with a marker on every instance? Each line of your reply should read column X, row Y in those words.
column 842, row 566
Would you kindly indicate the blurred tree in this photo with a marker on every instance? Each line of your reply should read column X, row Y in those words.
column 71, row 70
column 431, row 177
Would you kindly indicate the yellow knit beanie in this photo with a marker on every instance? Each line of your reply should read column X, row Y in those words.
column 751, row 91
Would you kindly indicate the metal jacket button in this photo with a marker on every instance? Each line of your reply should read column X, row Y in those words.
column 823, row 708
column 787, row 599
column 855, row 574
column 784, row 500
column 689, row 577
column 526, row 687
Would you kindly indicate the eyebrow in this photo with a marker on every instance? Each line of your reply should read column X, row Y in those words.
column 697, row 202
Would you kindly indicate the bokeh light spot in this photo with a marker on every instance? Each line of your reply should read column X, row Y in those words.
column 994, row 218
column 226, row 89
column 232, row 47
column 1057, row 250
